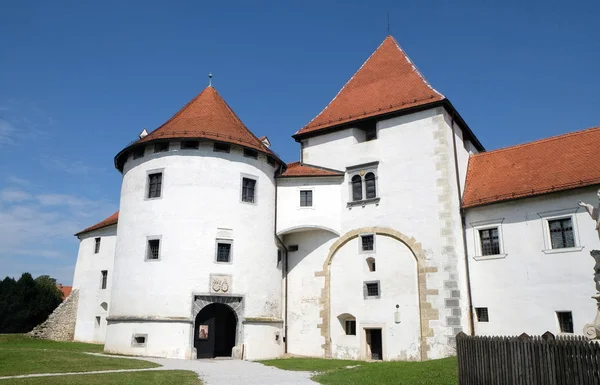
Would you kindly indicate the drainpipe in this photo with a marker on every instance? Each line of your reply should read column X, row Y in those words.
column 464, row 238
column 284, row 271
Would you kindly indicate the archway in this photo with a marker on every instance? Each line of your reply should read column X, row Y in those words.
column 214, row 331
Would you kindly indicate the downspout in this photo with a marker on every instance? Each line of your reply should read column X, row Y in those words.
column 462, row 223
column 284, row 272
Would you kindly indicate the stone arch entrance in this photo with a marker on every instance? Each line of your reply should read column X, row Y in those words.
column 215, row 331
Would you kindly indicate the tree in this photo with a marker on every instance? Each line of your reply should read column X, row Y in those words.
column 27, row 302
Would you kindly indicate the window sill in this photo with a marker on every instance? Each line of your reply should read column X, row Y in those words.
column 563, row 250
column 364, row 202
column 486, row 257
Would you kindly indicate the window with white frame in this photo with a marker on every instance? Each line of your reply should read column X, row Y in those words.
column 363, row 183
column 306, row 198
column 487, row 239
column 248, row 190
column 154, row 185
column 490, row 243
column 367, row 243
column 371, row 290
column 560, row 231
column 223, row 250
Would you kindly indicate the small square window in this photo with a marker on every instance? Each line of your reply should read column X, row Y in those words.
column 190, row 145
column 138, row 152
column 153, row 249
column 223, row 252
column 306, row 198
column 371, row 289
column 350, row 326
column 367, row 242
column 104, row 280
column 565, row 321
column 482, row 314
column 97, row 246
column 221, row 147
column 248, row 186
column 490, row 243
column 139, row 340
column 561, row 233
column 161, row 147
column 154, row 185
column 250, row 153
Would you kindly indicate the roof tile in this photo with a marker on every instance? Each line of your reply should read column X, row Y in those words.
column 112, row 220
column 297, row 169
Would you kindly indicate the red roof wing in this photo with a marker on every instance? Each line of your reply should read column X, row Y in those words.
column 112, row 220
column 297, row 169
column 387, row 82
column 553, row 164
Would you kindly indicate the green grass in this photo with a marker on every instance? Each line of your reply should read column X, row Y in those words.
column 166, row 377
column 333, row 372
column 23, row 355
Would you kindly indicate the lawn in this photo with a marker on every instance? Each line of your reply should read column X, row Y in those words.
column 166, row 377
column 334, row 372
column 23, row 355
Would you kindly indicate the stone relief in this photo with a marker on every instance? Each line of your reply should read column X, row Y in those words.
column 220, row 284
column 592, row 330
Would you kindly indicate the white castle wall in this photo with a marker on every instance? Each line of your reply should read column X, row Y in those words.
column 87, row 279
column 525, row 285
column 201, row 193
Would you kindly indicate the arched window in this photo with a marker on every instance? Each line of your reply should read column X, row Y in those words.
column 356, row 188
column 370, row 185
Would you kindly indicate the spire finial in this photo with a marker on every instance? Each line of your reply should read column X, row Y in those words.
column 210, row 79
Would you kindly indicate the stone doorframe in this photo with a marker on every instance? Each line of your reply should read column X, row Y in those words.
column 426, row 311
column 235, row 302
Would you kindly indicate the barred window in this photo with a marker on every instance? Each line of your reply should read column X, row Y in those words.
column 482, row 314
column 104, row 279
column 153, row 249
column 370, row 185
column 223, row 252
column 248, row 186
column 490, row 244
column 350, row 327
column 190, row 145
column 356, row 188
column 154, row 185
column 561, row 233
column 565, row 321
column 372, row 289
column 367, row 242
column 306, row 198
column 97, row 246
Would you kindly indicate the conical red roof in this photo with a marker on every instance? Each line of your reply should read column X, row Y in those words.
column 387, row 82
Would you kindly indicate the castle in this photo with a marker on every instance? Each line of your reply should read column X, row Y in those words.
column 395, row 231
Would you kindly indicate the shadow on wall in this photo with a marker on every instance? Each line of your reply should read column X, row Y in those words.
column 308, row 242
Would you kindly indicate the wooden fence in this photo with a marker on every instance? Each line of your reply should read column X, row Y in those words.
column 525, row 360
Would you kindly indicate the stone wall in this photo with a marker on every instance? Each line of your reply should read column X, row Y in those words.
column 60, row 325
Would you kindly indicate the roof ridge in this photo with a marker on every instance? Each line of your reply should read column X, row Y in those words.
column 538, row 141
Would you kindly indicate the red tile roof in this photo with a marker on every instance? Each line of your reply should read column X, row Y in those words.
column 387, row 82
column 553, row 164
column 66, row 290
column 207, row 116
column 297, row 169
column 112, row 220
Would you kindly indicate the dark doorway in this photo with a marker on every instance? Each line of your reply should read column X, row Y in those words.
column 374, row 344
column 214, row 331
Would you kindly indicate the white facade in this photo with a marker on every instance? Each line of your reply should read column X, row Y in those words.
column 525, row 285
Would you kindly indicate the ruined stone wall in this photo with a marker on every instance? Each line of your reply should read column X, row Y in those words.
column 60, row 325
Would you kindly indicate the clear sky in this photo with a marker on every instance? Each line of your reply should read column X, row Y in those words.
column 80, row 79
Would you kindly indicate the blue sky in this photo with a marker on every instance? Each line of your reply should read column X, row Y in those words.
column 80, row 79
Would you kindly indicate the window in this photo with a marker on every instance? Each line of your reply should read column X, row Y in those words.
column 279, row 256
column 371, row 289
column 482, row 314
column 490, row 244
column 370, row 134
column 306, row 198
column 356, row 188
column 154, row 185
column 153, row 252
column 250, row 153
column 367, row 242
column 139, row 340
column 190, row 145
column 561, row 233
column 138, row 152
column 370, row 185
column 221, row 147
column 97, row 246
column 271, row 161
column 371, row 263
column 97, row 322
column 293, row 248
column 350, row 326
column 104, row 279
column 565, row 321
column 223, row 250
column 248, row 186
column 161, row 147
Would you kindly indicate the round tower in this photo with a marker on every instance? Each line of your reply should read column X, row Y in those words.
column 196, row 270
